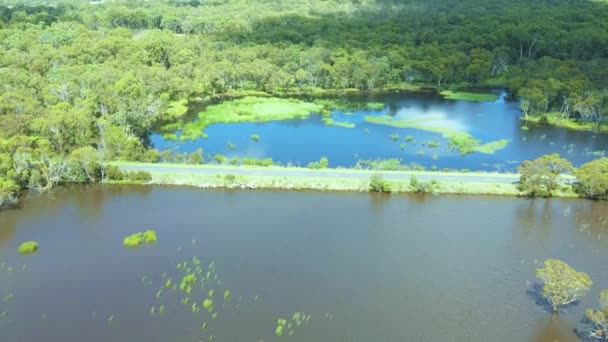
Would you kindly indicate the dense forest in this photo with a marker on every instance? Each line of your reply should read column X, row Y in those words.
column 84, row 82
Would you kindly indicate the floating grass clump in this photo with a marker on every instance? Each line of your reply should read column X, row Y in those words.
column 394, row 137
column 467, row 96
column 297, row 319
column 375, row 105
column 462, row 142
column 255, row 137
column 249, row 109
column 331, row 123
column 29, row 247
column 138, row 239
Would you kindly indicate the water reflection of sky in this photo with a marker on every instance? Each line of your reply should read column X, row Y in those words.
column 301, row 141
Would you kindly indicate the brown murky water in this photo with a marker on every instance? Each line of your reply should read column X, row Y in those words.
column 365, row 267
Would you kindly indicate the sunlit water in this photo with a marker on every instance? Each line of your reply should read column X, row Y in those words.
column 299, row 142
column 366, row 268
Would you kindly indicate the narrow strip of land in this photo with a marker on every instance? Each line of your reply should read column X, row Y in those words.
column 212, row 170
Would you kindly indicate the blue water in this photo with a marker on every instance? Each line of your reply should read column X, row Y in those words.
column 298, row 142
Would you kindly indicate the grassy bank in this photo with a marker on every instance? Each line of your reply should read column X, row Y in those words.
column 220, row 176
column 468, row 96
column 555, row 119
column 230, row 181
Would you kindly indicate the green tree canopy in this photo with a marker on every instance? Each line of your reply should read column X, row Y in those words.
column 541, row 176
column 562, row 284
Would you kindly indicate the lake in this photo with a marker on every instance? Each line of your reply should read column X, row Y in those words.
column 299, row 142
column 365, row 267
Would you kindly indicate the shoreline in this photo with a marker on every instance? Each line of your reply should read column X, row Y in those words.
column 353, row 180
column 569, row 124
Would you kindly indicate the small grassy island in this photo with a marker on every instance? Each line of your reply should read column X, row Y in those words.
column 29, row 247
column 138, row 239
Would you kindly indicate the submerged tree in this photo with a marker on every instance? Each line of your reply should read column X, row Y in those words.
column 599, row 318
column 562, row 284
column 541, row 176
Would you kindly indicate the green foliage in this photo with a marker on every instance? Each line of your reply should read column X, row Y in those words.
column 220, row 159
column 323, row 163
column 330, row 122
column 138, row 239
column 394, row 137
column 249, row 109
column 255, row 137
column 599, row 318
column 541, row 176
column 82, row 74
column 258, row 162
column 466, row 96
column 422, row 187
column 231, row 146
column 462, row 142
column 375, row 105
column 196, row 157
column 29, row 247
column 381, row 164
column 593, row 179
column 562, row 284
column 378, row 184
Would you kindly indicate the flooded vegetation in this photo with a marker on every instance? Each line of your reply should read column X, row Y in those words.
column 369, row 266
column 465, row 130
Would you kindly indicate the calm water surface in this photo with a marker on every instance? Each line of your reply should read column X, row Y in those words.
column 366, row 268
column 299, row 142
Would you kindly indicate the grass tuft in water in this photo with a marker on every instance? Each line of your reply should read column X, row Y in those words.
column 208, row 305
column 138, row 239
column 29, row 247
column 255, row 137
column 375, row 105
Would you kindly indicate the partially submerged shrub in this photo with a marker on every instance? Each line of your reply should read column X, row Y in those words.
column 323, row 163
column 138, row 239
column 28, row 247
column 378, row 184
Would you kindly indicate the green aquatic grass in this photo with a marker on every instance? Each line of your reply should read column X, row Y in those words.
column 138, row 239
column 468, row 96
column 375, row 105
column 394, row 137
column 255, row 137
column 462, row 142
column 555, row 119
column 208, row 305
column 29, row 247
column 331, row 123
column 249, row 109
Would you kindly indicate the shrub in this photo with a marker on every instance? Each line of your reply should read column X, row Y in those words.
column 422, row 187
column 323, row 163
column 28, row 247
column 255, row 137
column 257, row 162
column 114, row 173
column 378, row 184
column 138, row 239
column 220, row 159
column 138, row 176
column 196, row 157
